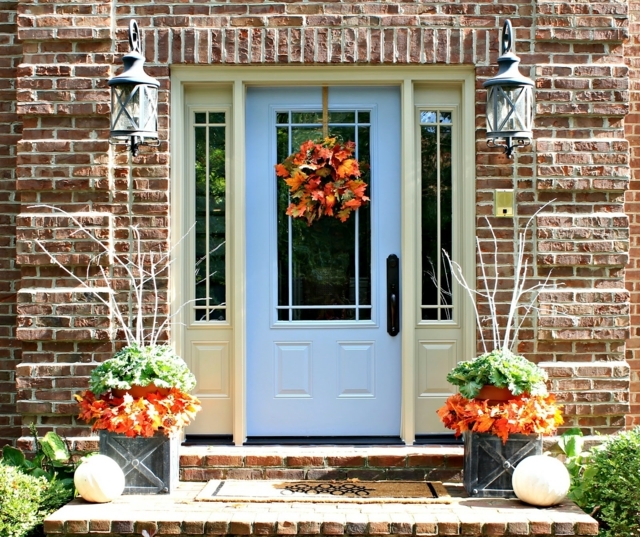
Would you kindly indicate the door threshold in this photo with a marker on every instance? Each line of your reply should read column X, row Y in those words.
column 324, row 441
column 208, row 440
column 440, row 439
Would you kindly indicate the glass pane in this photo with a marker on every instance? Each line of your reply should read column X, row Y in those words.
column 282, row 117
column 210, row 228
column 336, row 116
column 324, row 314
column 301, row 134
column 429, row 314
column 216, row 117
column 323, row 261
column 328, row 263
column 445, row 117
column 148, row 108
column 446, row 215
column 343, row 133
column 201, row 219
column 437, row 217
column 430, row 257
column 491, row 106
column 217, row 198
column 363, row 216
column 282, row 137
column 428, row 116
column 201, row 117
column 126, row 102
column 364, row 117
column 217, row 315
column 307, row 117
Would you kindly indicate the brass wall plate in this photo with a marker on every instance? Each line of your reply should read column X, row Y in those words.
column 503, row 202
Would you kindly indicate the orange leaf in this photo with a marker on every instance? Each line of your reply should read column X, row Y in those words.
column 348, row 168
column 296, row 180
column 281, row 171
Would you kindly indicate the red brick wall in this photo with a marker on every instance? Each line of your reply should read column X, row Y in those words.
column 579, row 159
column 10, row 128
column 632, row 208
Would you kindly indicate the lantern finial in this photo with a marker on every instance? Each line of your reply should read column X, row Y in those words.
column 509, row 100
column 134, row 99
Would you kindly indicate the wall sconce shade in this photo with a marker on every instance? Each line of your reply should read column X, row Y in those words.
column 134, row 99
column 510, row 100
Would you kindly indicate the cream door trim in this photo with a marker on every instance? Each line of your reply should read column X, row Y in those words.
column 239, row 77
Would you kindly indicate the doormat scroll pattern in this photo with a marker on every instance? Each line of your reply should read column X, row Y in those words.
column 347, row 491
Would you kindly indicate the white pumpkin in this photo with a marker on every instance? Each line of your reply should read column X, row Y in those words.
column 99, row 479
column 541, row 480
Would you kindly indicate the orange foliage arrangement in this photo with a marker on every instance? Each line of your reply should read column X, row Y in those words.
column 526, row 414
column 323, row 179
column 139, row 416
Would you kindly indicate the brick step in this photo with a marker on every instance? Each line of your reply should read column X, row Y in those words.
column 178, row 514
column 436, row 463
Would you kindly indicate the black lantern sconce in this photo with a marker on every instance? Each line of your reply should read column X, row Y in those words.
column 134, row 99
column 509, row 100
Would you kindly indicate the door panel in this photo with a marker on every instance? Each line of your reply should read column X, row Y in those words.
column 319, row 359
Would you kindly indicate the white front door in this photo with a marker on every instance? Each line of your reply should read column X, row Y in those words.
column 320, row 357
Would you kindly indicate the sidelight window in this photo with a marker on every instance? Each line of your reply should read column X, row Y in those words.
column 210, row 216
column 436, row 130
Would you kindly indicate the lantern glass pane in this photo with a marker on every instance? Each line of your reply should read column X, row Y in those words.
column 491, row 113
column 148, row 109
column 511, row 109
column 126, row 110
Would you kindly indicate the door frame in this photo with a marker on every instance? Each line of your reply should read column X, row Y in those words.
column 236, row 79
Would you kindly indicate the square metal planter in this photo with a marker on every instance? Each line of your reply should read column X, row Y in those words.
column 150, row 465
column 489, row 464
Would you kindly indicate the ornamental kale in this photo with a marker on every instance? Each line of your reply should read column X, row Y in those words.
column 500, row 368
column 141, row 366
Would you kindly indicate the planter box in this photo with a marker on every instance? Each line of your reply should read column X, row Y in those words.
column 489, row 464
column 150, row 465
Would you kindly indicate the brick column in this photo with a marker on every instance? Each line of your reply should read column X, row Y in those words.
column 10, row 128
column 632, row 208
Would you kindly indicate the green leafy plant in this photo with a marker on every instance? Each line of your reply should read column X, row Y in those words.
column 31, row 489
column 141, row 366
column 52, row 459
column 500, row 368
column 609, row 484
column 571, row 444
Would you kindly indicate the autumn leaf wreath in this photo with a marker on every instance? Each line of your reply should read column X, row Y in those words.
column 324, row 180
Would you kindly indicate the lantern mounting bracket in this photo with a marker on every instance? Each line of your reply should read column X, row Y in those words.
column 134, row 37
column 507, row 38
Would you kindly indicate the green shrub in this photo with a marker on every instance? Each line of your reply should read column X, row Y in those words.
column 610, row 487
column 21, row 498
column 38, row 486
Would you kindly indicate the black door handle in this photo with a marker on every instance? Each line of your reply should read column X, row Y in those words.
column 393, row 295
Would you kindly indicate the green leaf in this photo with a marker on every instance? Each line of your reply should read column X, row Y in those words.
column 54, row 448
column 13, row 457
column 39, row 472
column 571, row 444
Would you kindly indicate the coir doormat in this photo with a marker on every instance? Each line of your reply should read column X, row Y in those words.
column 348, row 491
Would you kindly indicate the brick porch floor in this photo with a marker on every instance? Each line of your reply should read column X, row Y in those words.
column 179, row 514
